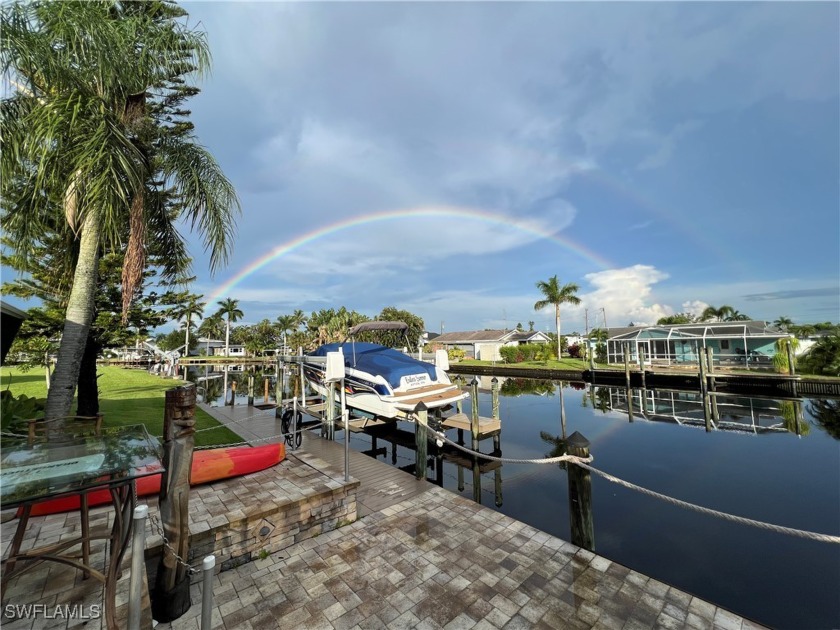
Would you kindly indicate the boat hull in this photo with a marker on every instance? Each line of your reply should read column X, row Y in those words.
column 360, row 392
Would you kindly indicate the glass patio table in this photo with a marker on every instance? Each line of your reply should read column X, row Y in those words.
column 77, row 471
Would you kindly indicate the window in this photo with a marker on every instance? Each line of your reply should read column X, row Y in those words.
column 724, row 344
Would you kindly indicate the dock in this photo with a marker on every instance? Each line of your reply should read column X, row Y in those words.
column 422, row 557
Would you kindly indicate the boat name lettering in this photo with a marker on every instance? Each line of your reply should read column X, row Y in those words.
column 416, row 379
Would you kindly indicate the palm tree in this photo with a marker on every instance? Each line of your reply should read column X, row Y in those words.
column 737, row 316
column 186, row 311
column 557, row 295
column 286, row 323
column 717, row 314
column 85, row 140
column 230, row 310
column 783, row 323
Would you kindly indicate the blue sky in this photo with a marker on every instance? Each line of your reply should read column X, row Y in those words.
column 663, row 156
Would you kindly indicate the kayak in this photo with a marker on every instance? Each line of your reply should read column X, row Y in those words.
column 208, row 465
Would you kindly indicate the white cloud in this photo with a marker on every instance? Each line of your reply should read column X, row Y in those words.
column 625, row 295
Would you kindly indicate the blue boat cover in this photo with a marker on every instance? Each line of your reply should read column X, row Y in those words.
column 374, row 359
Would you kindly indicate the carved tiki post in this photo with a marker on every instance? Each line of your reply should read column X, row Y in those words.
column 172, row 588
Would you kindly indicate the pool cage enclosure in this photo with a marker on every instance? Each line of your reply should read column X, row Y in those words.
column 750, row 344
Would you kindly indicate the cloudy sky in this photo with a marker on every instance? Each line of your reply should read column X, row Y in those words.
column 444, row 157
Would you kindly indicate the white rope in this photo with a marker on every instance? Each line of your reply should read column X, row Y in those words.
column 508, row 460
column 729, row 517
column 584, row 463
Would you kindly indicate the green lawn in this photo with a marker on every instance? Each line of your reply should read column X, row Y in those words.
column 125, row 397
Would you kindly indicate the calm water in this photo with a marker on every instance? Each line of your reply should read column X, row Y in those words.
column 753, row 465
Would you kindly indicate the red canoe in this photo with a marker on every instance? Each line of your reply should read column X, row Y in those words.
column 207, row 465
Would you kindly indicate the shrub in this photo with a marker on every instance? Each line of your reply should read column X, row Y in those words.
column 456, row 354
column 575, row 351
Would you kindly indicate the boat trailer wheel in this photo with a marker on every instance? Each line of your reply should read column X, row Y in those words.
column 286, row 427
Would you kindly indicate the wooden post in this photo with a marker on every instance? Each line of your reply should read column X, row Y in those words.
column 476, row 471
column 250, row 389
column 642, row 368
column 562, row 411
column 704, row 392
column 791, row 367
column 474, row 423
column 580, row 495
column 171, row 597
column 460, row 383
column 265, row 390
column 629, row 395
column 494, row 394
column 710, row 366
column 591, row 351
column 300, row 379
column 232, row 392
column 279, row 372
column 497, row 485
column 627, row 364
column 421, row 420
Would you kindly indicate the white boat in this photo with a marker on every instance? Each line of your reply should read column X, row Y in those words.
column 383, row 381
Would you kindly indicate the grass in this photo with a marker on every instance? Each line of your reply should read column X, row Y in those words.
column 125, row 397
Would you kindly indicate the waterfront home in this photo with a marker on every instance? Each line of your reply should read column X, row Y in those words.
column 485, row 344
column 750, row 343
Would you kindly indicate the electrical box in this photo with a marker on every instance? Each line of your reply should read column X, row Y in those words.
column 335, row 366
column 442, row 359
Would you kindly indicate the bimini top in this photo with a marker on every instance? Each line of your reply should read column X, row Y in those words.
column 374, row 359
column 376, row 325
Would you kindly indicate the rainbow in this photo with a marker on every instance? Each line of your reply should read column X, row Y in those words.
column 225, row 289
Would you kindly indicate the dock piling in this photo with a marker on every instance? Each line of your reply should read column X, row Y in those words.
column 580, row 495
column 494, row 392
column 642, row 367
column 250, row 389
column 420, row 440
column 474, row 424
column 627, row 364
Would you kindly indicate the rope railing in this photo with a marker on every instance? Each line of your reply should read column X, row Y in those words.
column 584, row 462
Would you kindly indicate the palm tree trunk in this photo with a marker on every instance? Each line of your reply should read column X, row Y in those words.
column 227, row 338
column 187, row 338
column 76, row 323
column 557, row 317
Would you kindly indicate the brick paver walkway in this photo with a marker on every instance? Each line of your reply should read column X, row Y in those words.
column 439, row 561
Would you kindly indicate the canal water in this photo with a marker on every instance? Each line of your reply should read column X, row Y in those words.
column 768, row 460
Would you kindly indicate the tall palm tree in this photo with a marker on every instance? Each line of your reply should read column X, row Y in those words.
column 555, row 294
column 190, row 308
column 230, row 310
column 286, row 323
column 85, row 139
column 711, row 313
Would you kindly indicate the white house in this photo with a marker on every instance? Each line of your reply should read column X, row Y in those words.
column 485, row 344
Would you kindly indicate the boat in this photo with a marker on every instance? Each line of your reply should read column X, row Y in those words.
column 208, row 465
column 381, row 381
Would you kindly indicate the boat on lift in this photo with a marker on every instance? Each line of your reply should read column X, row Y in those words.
column 383, row 381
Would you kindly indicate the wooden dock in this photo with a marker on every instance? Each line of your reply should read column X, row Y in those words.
column 487, row 427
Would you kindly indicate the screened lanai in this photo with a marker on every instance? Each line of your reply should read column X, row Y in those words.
column 660, row 345
column 750, row 343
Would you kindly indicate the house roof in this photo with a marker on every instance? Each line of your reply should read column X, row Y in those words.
column 527, row 335
column 473, row 336
column 699, row 330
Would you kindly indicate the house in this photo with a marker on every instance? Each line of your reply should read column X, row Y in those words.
column 234, row 350
column 750, row 343
column 528, row 336
column 485, row 344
